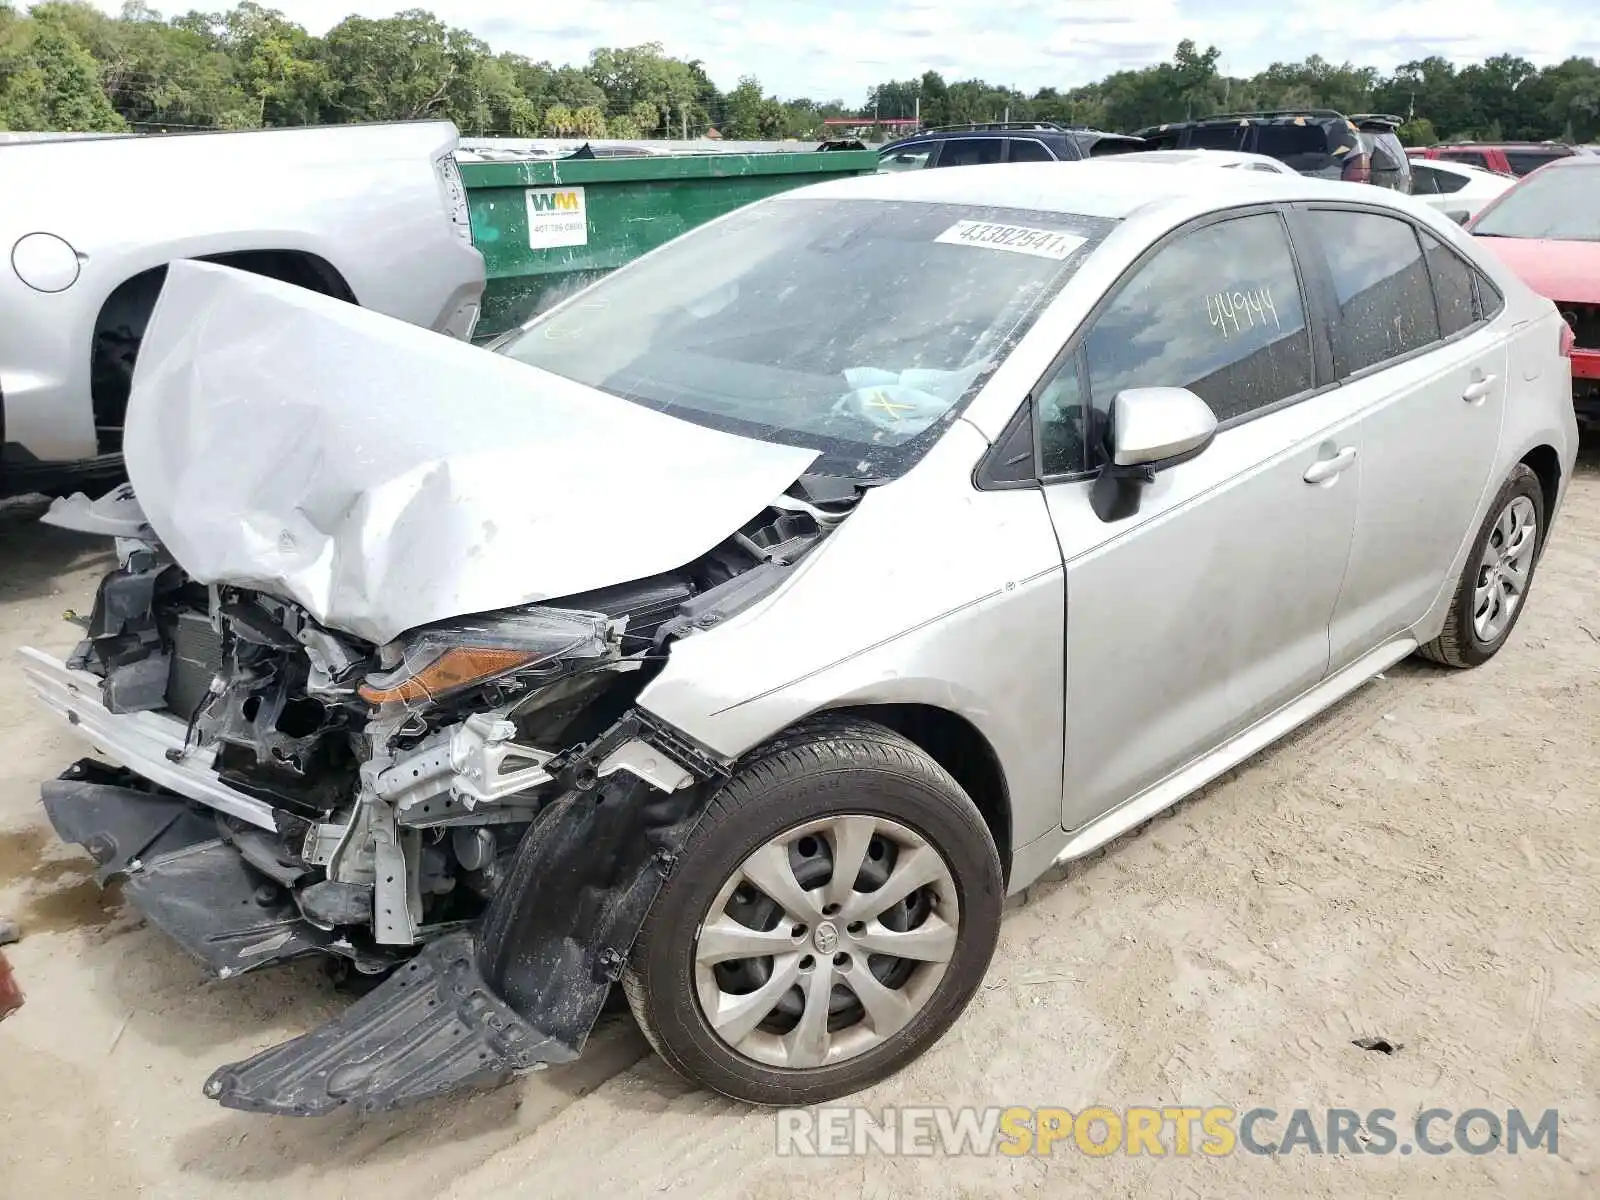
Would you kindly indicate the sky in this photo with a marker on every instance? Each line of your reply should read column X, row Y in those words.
column 827, row 49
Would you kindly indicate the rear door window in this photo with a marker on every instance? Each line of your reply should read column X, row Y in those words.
column 1522, row 162
column 1472, row 157
column 1381, row 283
column 1029, row 150
column 971, row 152
column 1218, row 137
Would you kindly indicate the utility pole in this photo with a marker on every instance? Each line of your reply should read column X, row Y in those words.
column 918, row 111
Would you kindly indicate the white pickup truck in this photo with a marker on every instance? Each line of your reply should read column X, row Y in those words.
column 372, row 214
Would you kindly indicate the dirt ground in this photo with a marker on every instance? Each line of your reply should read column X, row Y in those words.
column 1420, row 864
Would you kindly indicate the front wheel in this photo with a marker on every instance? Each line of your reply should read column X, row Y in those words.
column 1493, row 588
column 831, row 916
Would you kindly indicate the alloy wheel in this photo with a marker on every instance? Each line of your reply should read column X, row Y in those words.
column 1504, row 569
column 826, row 941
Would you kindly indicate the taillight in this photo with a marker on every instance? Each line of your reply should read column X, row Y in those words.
column 1358, row 169
column 1568, row 340
column 455, row 196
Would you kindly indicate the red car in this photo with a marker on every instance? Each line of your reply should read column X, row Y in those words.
column 1508, row 158
column 1547, row 230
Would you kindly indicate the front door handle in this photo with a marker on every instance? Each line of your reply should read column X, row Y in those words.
column 1478, row 389
column 1325, row 469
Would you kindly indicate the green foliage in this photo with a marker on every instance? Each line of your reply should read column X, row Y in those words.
column 1419, row 132
column 64, row 64
column 49, row 80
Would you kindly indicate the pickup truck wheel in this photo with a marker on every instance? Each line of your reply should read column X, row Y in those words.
column 831, row 916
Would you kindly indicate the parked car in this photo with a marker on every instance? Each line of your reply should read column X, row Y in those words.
column 1014, row 141
column 373, row 214
column 1507, row 158
column 1456, row 189
column 1224, row 159
column 1547, row 230
column 1317, row 142
column 766, row 718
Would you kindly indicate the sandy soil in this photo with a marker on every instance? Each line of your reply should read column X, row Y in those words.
column 1419, row 864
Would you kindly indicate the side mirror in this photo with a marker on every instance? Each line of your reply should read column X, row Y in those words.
column 1151, row 428
column 1461, row 216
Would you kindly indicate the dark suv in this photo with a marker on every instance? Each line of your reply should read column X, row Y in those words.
column 1314, row 141
column 1002, row 141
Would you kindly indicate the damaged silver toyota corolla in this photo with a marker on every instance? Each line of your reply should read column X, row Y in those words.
column 709, row 636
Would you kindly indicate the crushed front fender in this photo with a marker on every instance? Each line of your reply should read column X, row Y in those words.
column 520, row 992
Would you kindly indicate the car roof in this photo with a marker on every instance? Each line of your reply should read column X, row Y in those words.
column 1299, row 116
column 1501, row 146
column 1013, row 131
column 1110, row 187
column 1450, row 167
column 1201, row 154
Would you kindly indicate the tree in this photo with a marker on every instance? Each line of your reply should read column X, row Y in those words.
column 557, row 121
column 404, row 67
column 67, row 64
column 275, row 63
column 1418, row 132
column 49, row 80
column 644, row 75
column 750, row 115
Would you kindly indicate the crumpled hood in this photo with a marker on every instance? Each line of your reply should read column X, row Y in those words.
column 1558, row 271
column 386, row 477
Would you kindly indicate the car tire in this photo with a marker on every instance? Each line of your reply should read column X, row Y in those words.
column 843, row 780
column 1517, row 512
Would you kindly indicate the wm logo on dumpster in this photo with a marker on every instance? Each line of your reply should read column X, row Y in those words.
column 552, row 201
column 557, row 217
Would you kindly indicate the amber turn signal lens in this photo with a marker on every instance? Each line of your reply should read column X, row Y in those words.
column 451, row 671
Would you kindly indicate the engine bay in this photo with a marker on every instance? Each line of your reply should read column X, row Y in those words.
column 401, row 778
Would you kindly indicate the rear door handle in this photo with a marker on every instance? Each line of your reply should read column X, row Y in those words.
column 1325, row 469
column 1478, row 389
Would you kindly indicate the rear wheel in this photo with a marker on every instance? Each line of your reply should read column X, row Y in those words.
column 830, row 918
column 1493, row 588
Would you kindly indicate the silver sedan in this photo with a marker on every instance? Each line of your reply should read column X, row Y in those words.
column 751, row 624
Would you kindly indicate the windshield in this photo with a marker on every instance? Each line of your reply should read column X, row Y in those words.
column 854, row 327
column 1562, row 203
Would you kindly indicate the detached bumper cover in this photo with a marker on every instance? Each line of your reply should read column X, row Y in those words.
column 433, row 1027
column 521, row 990
column 190, row 881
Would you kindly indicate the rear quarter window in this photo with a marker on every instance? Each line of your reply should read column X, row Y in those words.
column 1522, row 162
column 1452, row 287
column 1308, row 147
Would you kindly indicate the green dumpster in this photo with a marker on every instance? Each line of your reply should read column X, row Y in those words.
column 549, row 227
